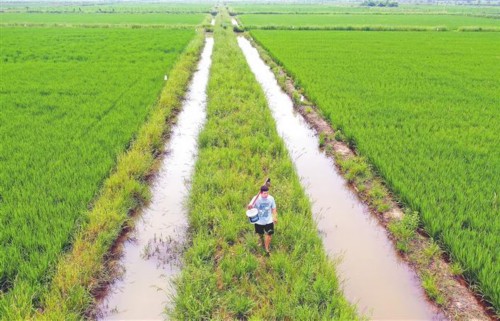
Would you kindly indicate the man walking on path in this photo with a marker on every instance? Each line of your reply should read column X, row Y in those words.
column 268, row 216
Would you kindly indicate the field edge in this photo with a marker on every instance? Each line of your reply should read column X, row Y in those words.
column 83, row 269
column 441, row 283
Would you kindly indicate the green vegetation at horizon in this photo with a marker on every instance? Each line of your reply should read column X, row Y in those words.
column 225, row 275
column 423, row 108
column 72, row 100
column 121, row 7
column 99, row 18
column 295, row 8
column 450, row 22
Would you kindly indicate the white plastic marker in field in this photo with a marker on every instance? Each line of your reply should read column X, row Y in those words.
column 375, row 279
column 151, row 256
column 213, row 22
column 234, row 22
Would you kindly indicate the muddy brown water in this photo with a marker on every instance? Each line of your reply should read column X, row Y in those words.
column 373, row 276
column 151, row 255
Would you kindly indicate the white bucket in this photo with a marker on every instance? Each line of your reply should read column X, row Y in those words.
column 253, row 215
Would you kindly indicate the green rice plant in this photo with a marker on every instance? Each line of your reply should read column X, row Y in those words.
column 477, row 29
column 238, row 148
column 456, row 269
column 424, row 114
column 322, row 139
column 84, row 110
column 403, row 246
column 430, row 287
column 377, row 191
column 356, row 169
column 107, row 19
column 296, row 98
column 240, row 305
column 381, row 205
column 105, row 8
column 273, row 8
column 369, row 22
column 432, row 251
column 378, row 197
column 406, row 227
column 404, row 230
column 339, row 136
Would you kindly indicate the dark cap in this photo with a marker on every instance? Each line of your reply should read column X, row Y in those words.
column 264, row 188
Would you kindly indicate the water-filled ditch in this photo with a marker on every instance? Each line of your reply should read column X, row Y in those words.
column 374, row 277
column 152, row 252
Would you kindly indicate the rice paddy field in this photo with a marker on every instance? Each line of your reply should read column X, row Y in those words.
column 424, row 109
column 440, row 22
column 99, row 18
column 72, row 101
column 241, row 8
column 101, row 7
column 81, row 82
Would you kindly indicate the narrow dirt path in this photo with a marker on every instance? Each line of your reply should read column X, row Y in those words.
column 152, row 252
column 375, row 278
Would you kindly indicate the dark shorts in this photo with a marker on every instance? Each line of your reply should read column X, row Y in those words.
column 261, row 229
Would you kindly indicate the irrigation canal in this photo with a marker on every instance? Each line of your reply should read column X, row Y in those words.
column 151, row 255
column 374, row 278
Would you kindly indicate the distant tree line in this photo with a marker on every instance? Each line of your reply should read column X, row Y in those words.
column 372, row 3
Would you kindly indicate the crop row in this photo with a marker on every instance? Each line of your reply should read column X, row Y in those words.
column 424, row 110
column 100, row 18
column 123, row 7
column 444, row 22
column 324, row 8
column 226, row 275
column 72, row 100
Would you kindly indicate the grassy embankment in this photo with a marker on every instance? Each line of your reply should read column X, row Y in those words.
column 435, row 167
column 226, row 274
column 65, row 292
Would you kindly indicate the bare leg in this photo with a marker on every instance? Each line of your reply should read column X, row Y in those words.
column 267, row 242
column 261, row 239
